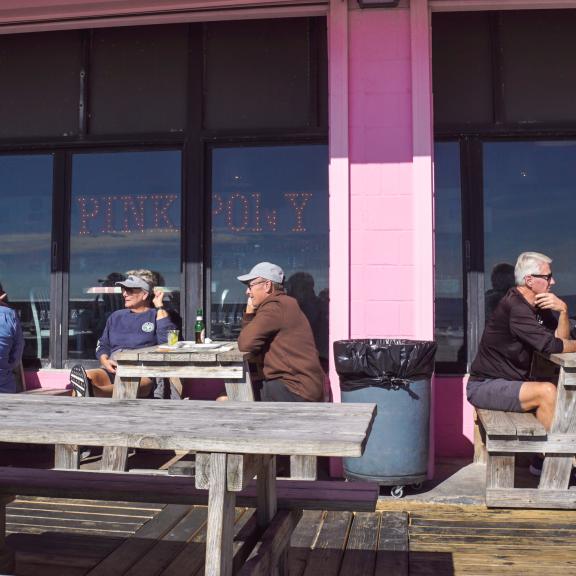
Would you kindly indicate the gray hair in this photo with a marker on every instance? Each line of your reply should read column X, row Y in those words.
column 529, row 263
column 146, row 275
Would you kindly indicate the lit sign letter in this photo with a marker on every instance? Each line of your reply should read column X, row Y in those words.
column 85, row 214
column 245, row 213
column 160, row 212
column 299, row 208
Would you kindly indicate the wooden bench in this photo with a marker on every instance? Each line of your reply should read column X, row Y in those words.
column 234, row 442
column 508, row 434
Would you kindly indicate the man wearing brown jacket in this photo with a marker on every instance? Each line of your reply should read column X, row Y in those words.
column 274, row 326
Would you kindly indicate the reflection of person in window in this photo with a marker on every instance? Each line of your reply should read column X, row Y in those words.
column 301, row 287
column 11, row 344
column 142, row 322
column 502, row 279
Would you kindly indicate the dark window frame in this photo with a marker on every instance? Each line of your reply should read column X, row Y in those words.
column 194, row 144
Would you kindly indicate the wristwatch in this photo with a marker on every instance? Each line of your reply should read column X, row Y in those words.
column 160, row 308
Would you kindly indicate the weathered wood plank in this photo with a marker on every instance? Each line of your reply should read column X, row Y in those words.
column 303, row 467
column 161, row 554
column 66, row 456
column 128, row 553
column 360, row 554
column 329, row 547
column 527, row 425
column 303, row 540
column 241, row 469
column 220, row 525
column 531, row 498
column 278, row 428
column 496, row 423
column 392, row 558
column 266, row 556
column 500, row 471
column 326, row 494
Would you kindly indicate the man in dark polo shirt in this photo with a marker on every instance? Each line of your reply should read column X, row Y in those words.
column 528, row 319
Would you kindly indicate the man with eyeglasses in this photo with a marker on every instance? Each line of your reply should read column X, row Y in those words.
column 275, row 326
column 528, row 319
column 143, row 322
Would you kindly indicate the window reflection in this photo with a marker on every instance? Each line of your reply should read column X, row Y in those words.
column 25, row 228
column 125, row 216
column 449, row 324
column 270, row 204
column 529, row 205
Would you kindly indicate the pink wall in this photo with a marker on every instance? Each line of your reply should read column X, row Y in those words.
column 382, row 227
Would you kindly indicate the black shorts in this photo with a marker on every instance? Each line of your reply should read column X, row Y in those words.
column 495, row 394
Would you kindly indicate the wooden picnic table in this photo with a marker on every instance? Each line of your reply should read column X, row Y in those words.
column 235, row 441
column 509, row 434
column 225, row 363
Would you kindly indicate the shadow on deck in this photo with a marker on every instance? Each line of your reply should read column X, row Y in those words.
column 445, row 530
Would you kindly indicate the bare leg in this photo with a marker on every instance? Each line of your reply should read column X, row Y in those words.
column 103, row 388
column 540, row 396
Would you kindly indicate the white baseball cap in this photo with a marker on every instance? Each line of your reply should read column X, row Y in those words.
column 265, row 270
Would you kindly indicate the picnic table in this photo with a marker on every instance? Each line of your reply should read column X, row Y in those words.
column 219, row 360
column 509, row 434
column 235, row 441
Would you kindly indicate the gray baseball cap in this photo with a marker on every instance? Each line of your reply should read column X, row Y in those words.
column 265, row 270
column 135, row 282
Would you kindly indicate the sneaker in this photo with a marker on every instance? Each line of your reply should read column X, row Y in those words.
column 80, row 382
column 535, row 467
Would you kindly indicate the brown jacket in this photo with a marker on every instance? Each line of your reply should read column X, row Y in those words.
column 280, row 331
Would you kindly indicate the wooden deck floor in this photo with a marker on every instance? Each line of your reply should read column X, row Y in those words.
column 72, row 538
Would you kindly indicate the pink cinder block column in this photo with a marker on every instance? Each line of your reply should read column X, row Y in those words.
column 390, row 178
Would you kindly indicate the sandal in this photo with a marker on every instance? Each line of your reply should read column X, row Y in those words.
column 81, row 384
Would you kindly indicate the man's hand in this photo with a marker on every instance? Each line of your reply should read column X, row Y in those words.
column 549, row 301
column 108, row 364
column 3, row 296
column 249, row 306
column 158, row 298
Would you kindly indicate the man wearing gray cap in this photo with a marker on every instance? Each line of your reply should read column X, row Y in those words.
column 274, row 325
column 142, row 322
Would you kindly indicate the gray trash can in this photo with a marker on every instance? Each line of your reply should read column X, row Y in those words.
column 395, row 375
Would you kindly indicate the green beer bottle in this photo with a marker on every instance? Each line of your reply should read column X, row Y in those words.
column 199, row 329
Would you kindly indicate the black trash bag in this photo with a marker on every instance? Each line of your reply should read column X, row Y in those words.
column 384, row 363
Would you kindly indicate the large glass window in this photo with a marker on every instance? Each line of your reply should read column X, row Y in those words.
column 25, row 247
column 270, row 204
column 125, row 216
column 529, row 204
column 449, row 291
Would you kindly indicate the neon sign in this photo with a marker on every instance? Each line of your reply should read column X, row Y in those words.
column 136, row 213
column 244, row 212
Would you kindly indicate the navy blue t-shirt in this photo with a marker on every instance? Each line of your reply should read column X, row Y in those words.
column 127, row 330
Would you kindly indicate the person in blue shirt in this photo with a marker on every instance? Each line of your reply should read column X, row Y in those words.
column 11, row 345
column 142, row 322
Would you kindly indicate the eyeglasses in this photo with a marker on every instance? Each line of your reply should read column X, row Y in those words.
column 250, row 286
column 130, row 290
column 546, row 277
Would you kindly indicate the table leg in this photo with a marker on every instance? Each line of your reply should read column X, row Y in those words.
column 115, row 458
column 241, row 390
column 66, row 457
column 556, row 468
column 220, row 525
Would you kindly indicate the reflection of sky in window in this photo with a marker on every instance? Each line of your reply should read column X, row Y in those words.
column 269, row 204
column 529, row 205
column 125, row 215
column 448, row 218
column 25, row 223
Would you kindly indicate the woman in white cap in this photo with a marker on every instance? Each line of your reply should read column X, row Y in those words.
column 142, row 322
column 275, row 326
